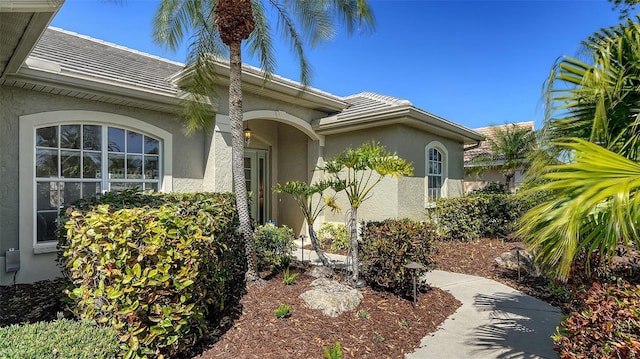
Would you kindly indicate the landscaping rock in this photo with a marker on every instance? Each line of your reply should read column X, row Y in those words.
column 320, row 272
column 509, row 260
column 331, row 297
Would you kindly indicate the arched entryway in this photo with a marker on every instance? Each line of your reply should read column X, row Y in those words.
column 282, row 148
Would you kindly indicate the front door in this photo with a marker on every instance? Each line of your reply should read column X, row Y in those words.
column 256, row 176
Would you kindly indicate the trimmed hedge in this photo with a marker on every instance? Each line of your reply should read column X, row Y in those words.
column 607, row 326
column 389, row 245
column 477, row 216
column 59, row 339
column 153, row 266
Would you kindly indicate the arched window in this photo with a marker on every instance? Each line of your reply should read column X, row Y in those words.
column 79, row 160
column 74, row 154
column 436, row 171
column 434, row 175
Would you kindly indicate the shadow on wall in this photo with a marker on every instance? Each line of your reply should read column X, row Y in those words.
column 513, row 328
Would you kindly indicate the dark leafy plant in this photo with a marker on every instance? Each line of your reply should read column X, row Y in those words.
column 274, row 246
column 607, row 326
column 490, row 188
column 487, row 215
column 154, row 272
column 389, row 245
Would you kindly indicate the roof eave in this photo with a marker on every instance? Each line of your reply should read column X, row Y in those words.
column 91, row 86
column 43, row 12
column 407, row 115
column 276, row 87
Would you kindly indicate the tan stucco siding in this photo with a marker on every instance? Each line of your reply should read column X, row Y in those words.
column 292, row 166
column 404, row 197
column 252, row 102
column 186, row 170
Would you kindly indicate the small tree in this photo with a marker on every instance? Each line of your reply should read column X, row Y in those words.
column 303, row 194
column 511, row 147
column 358, row 172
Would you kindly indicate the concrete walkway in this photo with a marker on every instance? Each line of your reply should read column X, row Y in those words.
column 494, row 321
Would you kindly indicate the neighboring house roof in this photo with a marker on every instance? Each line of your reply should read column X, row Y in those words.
column 368, row 109
column 489, row 133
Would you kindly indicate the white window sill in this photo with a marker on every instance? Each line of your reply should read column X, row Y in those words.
column 430, row 205
column 46, row 247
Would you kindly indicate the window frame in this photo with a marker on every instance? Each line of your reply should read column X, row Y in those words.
column 444, row 175
column 28, row 182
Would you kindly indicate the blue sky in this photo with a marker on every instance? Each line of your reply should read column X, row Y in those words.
column 477, row 63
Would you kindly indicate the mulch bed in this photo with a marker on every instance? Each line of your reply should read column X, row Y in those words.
column 251, row 329
column 478, row 258
column 382, row 326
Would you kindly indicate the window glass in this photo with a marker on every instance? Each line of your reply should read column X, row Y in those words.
column 116, row 140
column 92, row 137
column 92, row 165
column 134, row 166
column 70, row 162
column 116, row 166
column 47, row 137
column 151, row 146
column 435, row 176
column 134, row 142
column 70, row 136
column 46, row 163
column 151, row 167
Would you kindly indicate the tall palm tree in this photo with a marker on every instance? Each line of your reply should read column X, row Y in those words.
column 593, row 200
column 511, row 150
column 220, row 27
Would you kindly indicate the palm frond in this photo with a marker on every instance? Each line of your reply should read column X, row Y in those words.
column 595, row 204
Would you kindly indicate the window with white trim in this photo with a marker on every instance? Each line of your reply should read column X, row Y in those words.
column 435, row 174
column 78, row 160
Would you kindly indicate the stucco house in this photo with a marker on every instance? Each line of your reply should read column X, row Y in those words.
column 79, row 116
column 473, row 181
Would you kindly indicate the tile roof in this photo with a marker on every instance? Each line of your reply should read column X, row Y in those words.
column 368, row 101
column 490, row 133
column 102, row 60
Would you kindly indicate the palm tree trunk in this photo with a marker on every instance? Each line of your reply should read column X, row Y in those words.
column 316, row 246
column 237, row 159
column 353, row 226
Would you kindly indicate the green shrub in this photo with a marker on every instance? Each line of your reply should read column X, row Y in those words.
column 289, row 278
column 274, row 246
column 61, row 338
column 283, row 311
column 608, row 326
column 389, row 245
column 333, row 352
column 153, row 272
column 477, row 216
column 335, row 234
column 490, row 188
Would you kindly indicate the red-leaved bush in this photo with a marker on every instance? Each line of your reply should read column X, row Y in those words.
column 608, row 326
